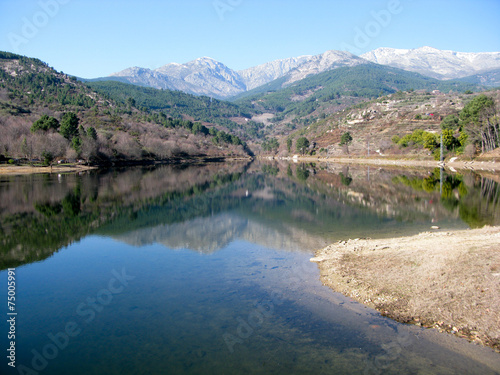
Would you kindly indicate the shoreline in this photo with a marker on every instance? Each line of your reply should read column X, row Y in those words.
column 479, row 165
column 474, row 165
column 446, row 280
column 12, row 170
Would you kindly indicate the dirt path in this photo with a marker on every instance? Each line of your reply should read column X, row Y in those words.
column 446, row 280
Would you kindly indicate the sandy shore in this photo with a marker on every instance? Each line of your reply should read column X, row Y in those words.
column 446, row 280
column 27, row 169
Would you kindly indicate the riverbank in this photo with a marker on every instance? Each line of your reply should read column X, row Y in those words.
column 492, row 165
column 29, row 169
column 6, row 169
column 446, row 280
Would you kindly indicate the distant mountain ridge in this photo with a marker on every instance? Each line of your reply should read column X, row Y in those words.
column 203, row 76
column 206, row 76
column 261, row 74
column 296, row 69
column 489, row 78
column 440, row 64
column 344, row 86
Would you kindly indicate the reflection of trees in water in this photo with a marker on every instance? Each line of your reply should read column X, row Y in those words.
column 41, row 214
column 475, row 197
column 480, row 206
column 490, row 191
column 302, row 172
column 118, row 203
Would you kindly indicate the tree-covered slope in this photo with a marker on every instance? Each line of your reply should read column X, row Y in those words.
column 365, row 81
column 489, row 78
column 175, row 103
column 46, row 115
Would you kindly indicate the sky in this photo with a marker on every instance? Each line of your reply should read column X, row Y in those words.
column 95, row 38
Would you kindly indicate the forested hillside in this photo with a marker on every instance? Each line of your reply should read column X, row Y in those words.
column 489, row 78
column 178, row 104
column 48, row 116
column 362, row 81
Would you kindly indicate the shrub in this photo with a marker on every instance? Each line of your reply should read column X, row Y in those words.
column 302, row 145
column 430, row 141
column 405, row 141
column 437, row 154
column 449, row 141
column 418, row 136
column 463, row 138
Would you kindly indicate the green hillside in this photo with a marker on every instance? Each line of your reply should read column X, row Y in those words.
column 363, row 81
column 490, row 78
column 46, row 116
column 176, row 104
column 119, row 121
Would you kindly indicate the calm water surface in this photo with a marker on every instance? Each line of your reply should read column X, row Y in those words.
column 205, row 269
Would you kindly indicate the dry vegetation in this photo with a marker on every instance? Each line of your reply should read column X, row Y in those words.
column 131, row 139
column 446, row 280
column 30, row 89
column 374, row 124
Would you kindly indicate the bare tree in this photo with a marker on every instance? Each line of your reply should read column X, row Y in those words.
column 44, row 144
column 89, row 148
column 126, row 145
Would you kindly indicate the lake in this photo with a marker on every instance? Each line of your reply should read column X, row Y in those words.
column 204, row 269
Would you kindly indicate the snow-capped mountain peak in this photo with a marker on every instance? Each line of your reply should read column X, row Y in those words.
column 432, row 62
column 206, row 76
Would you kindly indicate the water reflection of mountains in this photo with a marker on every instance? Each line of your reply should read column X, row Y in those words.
column 210, row 234
column 205, row 207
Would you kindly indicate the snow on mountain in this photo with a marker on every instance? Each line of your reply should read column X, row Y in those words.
column 298, row 68
column 147, row 77
column 203, row 76
column 265, row 73
column 209, row 76
column 321, row 63
column 206, row 76
column 436, row 63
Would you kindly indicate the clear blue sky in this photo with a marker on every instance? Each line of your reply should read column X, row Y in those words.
column 92, row 38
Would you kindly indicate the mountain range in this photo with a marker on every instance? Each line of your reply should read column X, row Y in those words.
column 436, row 63
column 206, row 76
